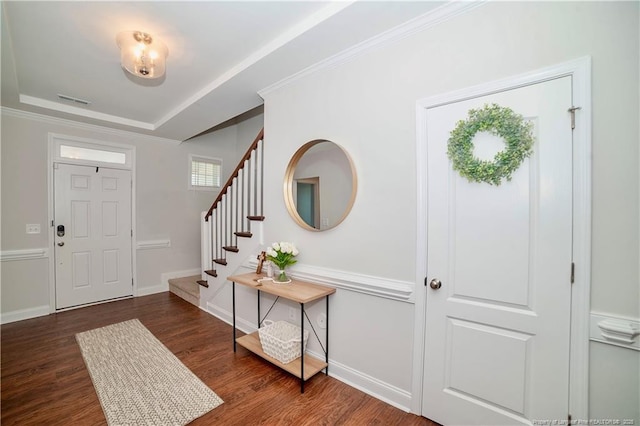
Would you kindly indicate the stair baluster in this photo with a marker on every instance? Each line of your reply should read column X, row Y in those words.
column 262, row 178
column 243, row 224
column 238, row 220
column 231, row 213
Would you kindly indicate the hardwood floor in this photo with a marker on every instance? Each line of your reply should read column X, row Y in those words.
column 44, row 380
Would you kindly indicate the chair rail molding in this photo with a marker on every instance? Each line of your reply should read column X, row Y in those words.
column 387, row 288
column 616, row 331
column 153, row 244
column 25, row 254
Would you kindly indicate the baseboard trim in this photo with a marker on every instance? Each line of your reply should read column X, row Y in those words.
column 226, row 316
column 145, row 291
column 24, row 314
column 378, row 389
column 164, row 282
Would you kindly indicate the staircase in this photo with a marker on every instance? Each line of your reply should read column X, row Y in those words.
column 231, row 229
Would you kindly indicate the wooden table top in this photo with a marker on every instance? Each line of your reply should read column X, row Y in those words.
column 297, row 290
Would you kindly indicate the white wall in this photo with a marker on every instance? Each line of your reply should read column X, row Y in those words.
column 367, row 105
column 166, row 208
column 246, row 132
column 613, row 383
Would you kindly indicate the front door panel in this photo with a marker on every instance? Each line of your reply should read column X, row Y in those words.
column 93, row 234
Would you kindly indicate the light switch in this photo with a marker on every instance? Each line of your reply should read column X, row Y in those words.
column 33, row 228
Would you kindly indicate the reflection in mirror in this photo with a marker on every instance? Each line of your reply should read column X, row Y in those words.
column 320, row 185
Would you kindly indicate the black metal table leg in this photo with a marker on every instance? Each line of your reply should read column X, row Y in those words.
column 259, row 321
column 326, row 336
column 233, row 292
column 301, row 347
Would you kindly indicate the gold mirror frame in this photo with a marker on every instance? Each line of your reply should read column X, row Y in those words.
column 289, row 181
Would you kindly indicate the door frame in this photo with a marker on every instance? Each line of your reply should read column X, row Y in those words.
column 580, row 71
column 53, row 157
column 315, row 182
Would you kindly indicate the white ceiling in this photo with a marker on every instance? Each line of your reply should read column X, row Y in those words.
column 220, row 55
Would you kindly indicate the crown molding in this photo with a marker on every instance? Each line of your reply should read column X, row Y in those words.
column 85, row 126
column 394, row 35
column 56, row 106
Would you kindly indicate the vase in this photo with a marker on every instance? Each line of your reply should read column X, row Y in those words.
column 281, row 277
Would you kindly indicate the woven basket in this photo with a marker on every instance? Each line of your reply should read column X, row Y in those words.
column 281, row 340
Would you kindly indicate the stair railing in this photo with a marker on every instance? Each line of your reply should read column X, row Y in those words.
column 240, row 201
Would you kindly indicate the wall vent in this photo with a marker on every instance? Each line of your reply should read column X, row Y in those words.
column 72, row 99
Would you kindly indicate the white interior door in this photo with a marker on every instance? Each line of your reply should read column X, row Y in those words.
column 93, row 253
column 497, row 331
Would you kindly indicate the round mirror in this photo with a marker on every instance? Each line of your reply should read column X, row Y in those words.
column 320, row 185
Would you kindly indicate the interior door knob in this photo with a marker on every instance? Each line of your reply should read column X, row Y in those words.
column 435, row 284
column 61, row 243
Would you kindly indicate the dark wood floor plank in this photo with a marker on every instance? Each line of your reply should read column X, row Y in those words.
column 44, row 380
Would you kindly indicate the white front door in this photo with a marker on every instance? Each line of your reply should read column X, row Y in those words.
column 498, row 328
column 92, row 234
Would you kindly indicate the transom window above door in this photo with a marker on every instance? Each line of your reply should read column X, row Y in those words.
column 87, row 152
column 80, row 153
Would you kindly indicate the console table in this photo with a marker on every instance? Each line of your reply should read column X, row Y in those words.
column 298, row 291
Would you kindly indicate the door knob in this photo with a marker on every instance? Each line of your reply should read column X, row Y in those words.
column 61, row 243
column 435, row 284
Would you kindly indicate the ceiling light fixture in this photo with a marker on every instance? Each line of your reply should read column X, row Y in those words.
column 141, row 54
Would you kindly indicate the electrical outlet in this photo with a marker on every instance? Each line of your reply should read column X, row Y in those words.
column 322, row 321
column 33, row 228
column 292, row 314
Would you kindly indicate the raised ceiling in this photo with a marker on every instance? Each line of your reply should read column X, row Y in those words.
column 221, row 54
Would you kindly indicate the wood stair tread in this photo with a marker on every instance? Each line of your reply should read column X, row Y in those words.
column 243, row 234
column 203, row 283
column 221, row 261
column 258, row 218
column 187, row 284
column 186, row 288
column 211, row 272
column 233, row 249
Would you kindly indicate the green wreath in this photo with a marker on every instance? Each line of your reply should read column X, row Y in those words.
column 502, row 122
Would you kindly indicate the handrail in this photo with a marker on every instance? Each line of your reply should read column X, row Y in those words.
column 239, row 167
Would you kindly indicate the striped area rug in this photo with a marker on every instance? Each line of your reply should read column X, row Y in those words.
column 139, row 381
